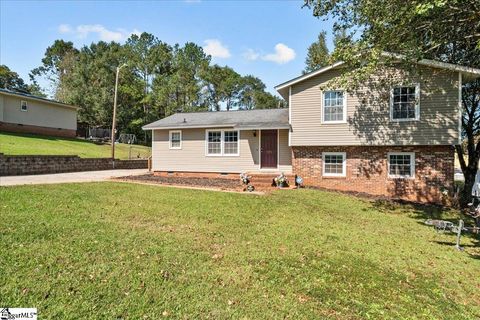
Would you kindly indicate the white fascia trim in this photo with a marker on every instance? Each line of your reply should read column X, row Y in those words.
column 307, row 76
column 189, row 127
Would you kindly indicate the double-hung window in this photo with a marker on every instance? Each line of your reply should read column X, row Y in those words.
column 214, row 143
column 334, row 164
column 334, row 106
column 23, row 105
column 222, row 142
column 175, row 139
column 401, row 165
column 230, row 139
column 404, row 103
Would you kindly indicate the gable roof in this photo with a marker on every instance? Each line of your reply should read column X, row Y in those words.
column 240, row 119
column 31, row 96
column 468, row 71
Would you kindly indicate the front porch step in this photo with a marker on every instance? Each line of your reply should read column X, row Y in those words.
column 265, row 181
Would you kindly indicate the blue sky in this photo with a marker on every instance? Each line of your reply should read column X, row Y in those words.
column 268, row 39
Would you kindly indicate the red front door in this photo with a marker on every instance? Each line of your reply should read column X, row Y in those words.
column 268, row 149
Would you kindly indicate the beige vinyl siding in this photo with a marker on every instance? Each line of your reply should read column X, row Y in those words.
column 284, row 152
column 1, row 107
column 38, row 113
column 368, row 111
column 192, row 157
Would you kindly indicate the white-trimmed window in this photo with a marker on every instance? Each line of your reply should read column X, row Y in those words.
column 405, row 103
column 175, row 139
column 214, row 143
column 222, row 142
column 334, row 107
column 23, row 105
column 401, row 164
column 230, row 139
column 334, row 164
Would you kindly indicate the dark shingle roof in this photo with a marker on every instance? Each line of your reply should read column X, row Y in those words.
column 241, row 119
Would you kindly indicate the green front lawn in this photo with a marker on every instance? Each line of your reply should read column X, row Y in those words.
column 127, row 251
column 25, row 144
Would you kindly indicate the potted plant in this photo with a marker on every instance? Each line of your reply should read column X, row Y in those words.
column 281, row 181
column 246, row 181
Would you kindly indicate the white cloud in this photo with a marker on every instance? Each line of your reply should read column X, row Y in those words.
column 64, row 28
column 216, row 49
column 283, row 54
column 251, row 54
column 84, row 30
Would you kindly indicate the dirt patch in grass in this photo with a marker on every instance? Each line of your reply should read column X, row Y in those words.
column 223, row 184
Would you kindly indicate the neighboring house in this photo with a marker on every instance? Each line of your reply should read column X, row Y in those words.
column 391, row 138
column 22, row 112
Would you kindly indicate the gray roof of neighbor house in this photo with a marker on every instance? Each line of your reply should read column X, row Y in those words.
column 241, row 119
column 31, row 96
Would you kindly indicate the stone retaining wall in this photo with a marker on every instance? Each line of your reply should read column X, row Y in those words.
column 36, row 164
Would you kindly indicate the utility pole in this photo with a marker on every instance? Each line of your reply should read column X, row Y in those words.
column 115, row 114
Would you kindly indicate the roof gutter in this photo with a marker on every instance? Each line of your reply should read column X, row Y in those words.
column 234, row 126
column 188, row 127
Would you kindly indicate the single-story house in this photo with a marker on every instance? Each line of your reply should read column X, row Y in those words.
column 222, row 142
column 393, row 135
column 23, row 112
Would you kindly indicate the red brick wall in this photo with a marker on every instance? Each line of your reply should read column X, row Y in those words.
column 367, row 171
column 24, row 128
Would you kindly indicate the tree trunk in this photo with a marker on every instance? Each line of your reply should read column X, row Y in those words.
column 466, row 195
column 469, row 171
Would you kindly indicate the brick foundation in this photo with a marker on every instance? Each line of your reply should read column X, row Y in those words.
column 367, row 171
column 26, row 165
column 24, row 128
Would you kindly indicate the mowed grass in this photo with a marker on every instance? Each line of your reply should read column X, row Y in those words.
column 25, row 144
column 127, row 251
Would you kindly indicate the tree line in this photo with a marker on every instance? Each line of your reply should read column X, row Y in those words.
column 158, row 80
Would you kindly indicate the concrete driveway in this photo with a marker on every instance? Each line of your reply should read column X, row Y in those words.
column 85, row 176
